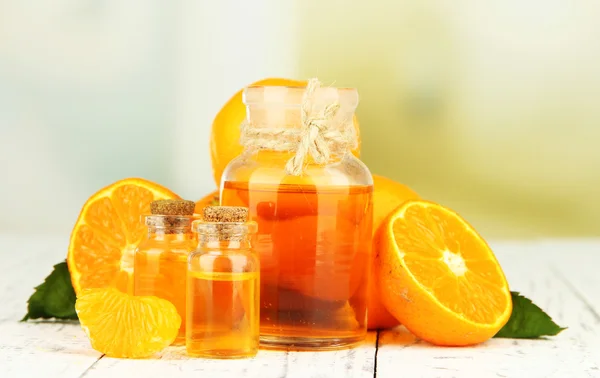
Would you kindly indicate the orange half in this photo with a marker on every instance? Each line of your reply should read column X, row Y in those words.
column 439, row 278
column 107, row 232
column 387, row 196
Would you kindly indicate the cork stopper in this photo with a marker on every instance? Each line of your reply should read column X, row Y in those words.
column 172, row 207
column 225, row 214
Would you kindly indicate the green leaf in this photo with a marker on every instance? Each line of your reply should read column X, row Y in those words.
column 528, row 321
column 55, row 298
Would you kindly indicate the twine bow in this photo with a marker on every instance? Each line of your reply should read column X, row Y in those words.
column 317, row 137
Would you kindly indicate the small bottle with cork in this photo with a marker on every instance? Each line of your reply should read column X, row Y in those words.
column 223, row 286
column 160, row 261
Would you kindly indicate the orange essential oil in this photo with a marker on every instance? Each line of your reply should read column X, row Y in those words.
column 223, row 287
column 160, row 261
column 312, row 201
column 314, row 245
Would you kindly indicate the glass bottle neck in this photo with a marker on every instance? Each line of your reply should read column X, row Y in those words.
column 208, row 241
column 169, row 233
column 282, row 157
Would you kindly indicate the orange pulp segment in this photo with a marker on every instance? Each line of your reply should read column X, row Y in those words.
column 125, row 326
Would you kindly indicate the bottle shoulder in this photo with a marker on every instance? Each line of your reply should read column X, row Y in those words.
column 270, row 168
column 157, row 246
column 223, row 260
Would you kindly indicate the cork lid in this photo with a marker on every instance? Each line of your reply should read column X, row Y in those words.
column 225, row 214
column 172, row 207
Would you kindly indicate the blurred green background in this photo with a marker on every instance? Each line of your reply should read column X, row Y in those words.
column 488, row 107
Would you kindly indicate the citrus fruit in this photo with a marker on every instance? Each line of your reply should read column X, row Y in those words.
column 211, row 199
column 378, row 317
column 225, row 132
column 107, row 232
column 126, row 326
column 387, row 196
column 439, row 278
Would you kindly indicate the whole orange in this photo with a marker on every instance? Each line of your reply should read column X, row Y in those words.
column 225, row 132
column 211, row 199
column 387, row 196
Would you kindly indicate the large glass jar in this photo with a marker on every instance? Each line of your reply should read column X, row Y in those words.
column 312, row 201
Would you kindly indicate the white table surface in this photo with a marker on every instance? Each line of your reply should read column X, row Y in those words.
column 561, row 276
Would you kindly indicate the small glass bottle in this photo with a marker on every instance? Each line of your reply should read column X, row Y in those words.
column 312, row 201
column 223, row 287
column 161, row 258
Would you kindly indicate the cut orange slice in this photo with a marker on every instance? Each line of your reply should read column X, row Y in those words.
column 107, row 232
column 123, row 326
column 439, row 278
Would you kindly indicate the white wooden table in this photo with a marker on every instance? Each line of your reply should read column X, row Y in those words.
column 561, row 276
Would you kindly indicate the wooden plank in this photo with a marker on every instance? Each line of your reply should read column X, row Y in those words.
column 44, row 350
column 546, row 274
column 573, row 353
column 579, row 271
column 36, row 349
column 26, row 261
column 558, row 276
column 355, row 363
column 63, row 350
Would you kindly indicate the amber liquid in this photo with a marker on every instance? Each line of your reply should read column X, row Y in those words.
column 314, row 244
column 223, row 319
column 160, row 268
